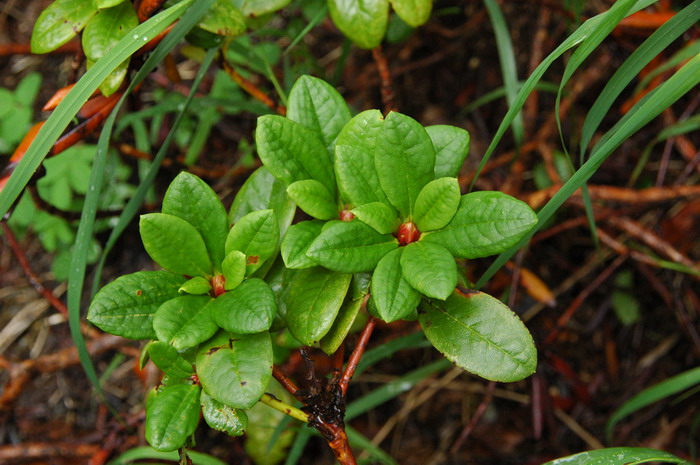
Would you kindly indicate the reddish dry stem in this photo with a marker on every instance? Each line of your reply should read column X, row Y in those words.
column 387, row 87
column 287, row 383
column 253, row 90
column 357, row 354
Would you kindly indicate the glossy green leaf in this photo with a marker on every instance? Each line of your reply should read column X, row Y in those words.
column 221, row 417
column 126, row 306
column 168, row 359
column 363, row 21
column 101, row 4
column 196, row 286
column 234, row 268
column 235, row 369
column 655, row 393
column 190, row 198
column 405, row 161
column 107, row 28
column 175, row 244
column 394, row 298
column 224, row 19
column 249, row 308
column 257, row 236
column 314, row 299
column 59, row 23
column 618, row 456
column 451, row 149
column 172, row 416
column 380, row 216
column 317, row 105
column 359, row 288
column 413, row 12
column 480, row 334
column 262, row 191
column 436, row 204
column 357, row 177
column 255, row 8
column 350, row 247
column 296, row 243
column 184, row 321
column 486, row 223
column 313, row 197
column 292, row 152
column 430, row 269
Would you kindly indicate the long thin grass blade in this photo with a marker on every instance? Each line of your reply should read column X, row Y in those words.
column 362, row 442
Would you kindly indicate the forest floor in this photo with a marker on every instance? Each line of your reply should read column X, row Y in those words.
column 609, row 323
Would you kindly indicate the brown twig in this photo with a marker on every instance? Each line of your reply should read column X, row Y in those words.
column 620, row 194
column 287, row 383
column 357, row 354
column 387, row 87
column 252, row 89
column 480, row 410
column 25, row 49
column 38, row 450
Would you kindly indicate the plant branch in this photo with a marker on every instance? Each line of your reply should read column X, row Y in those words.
column 357, row 354
column 387, row 87
column 252, row 89
column 272, row 401
column 287, row 383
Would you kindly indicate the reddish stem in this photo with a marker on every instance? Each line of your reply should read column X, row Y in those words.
column 287, row 383
column 357, row 354
column 387, row 89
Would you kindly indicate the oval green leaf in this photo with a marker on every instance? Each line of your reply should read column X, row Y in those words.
column 172, row 416
column 350, row 247
column 313, row 197
column 315, row 297
column 429, row 269
column 59, row 23
column 436, row 204
column 184, row 321
column 405, row 161
column 257, row 235
column 196, row 286
column 107, row 28
column 249, row 308
column 168, row 359
column 380, row 216
column 451, row 149
column 414, row 12
column 234, row 268
column 334, row 338
column 223, row 418
column 481, row 335
column 394, row 298
column 224, row 19
column 190, row 198
column 296, row 243
column 618, row 456
column 175, row 244
column 126, row 306
column 363, row 21
column 236, row 369
column 486, row 223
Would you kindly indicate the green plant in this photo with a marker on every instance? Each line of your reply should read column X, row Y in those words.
column 16, row 111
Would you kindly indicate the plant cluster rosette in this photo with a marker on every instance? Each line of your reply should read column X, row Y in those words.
column 385, row 201
column 207, row 312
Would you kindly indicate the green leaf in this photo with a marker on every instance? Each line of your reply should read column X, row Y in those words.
column 618, row 456
column 175, row 244
column 249, row 308
column 317, row 105
column 235, row 369
column 221, row 417
column 168, row 359
column 234, row 268
column 269, row 431
column 255, row 8
column 184, row 321
column 363, row 21
column 480, row 334
column 486, row 223
column 315, row 296
column 313, row 197
column 25, row 93
column 196, row 286
column 262, row 191
column 394, row 298
column 405, row 161
column 114, row 81
column 190, row 198
column 655, row 393
column 172, row 416
column 224, row 19
column 59, row 23
column 430, row 269
column 107, row 28
column 436, row 204
column 101, row 4
column 357, row 177
column 293, row 152
column 350, row 247
column 451, row 149
column 257, row 236
column 380, row 216
column 414, row 12
column 334, row 338
column 126, row 306
column 296, row 243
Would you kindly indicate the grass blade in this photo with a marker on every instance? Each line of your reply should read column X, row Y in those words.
column 83, row 89
column 684, row 80
column 362, row 442
column 653, row 394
